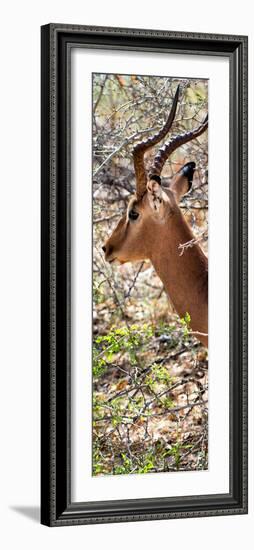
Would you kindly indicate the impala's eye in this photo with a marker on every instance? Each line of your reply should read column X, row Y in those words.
column 133, row 215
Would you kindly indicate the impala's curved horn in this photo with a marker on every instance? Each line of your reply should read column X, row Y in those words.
column 141, row 148
column 167, row 149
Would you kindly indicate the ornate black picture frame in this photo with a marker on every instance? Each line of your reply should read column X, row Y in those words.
column 56, row 506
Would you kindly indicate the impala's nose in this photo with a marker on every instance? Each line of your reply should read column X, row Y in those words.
column 188, row 171
column 108, row 250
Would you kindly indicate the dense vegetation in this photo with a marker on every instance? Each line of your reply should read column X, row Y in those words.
column 150, row 380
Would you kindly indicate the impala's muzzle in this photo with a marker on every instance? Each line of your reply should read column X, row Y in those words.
column 108, row 251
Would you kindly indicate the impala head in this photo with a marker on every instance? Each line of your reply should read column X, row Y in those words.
column 153, row 207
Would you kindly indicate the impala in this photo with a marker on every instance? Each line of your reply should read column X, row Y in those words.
column 154, row 227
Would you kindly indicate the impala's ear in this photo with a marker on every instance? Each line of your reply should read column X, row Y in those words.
column 182, row 181
column 154, row 192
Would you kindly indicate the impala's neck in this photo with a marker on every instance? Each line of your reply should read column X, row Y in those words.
column 185, row 276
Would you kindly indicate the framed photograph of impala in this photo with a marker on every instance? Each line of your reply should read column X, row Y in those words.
column 150, row 357
column 144, row 348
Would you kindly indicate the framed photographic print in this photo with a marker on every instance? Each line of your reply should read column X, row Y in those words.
column 144, row 176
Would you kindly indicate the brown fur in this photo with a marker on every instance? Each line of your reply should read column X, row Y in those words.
column 156, row 235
